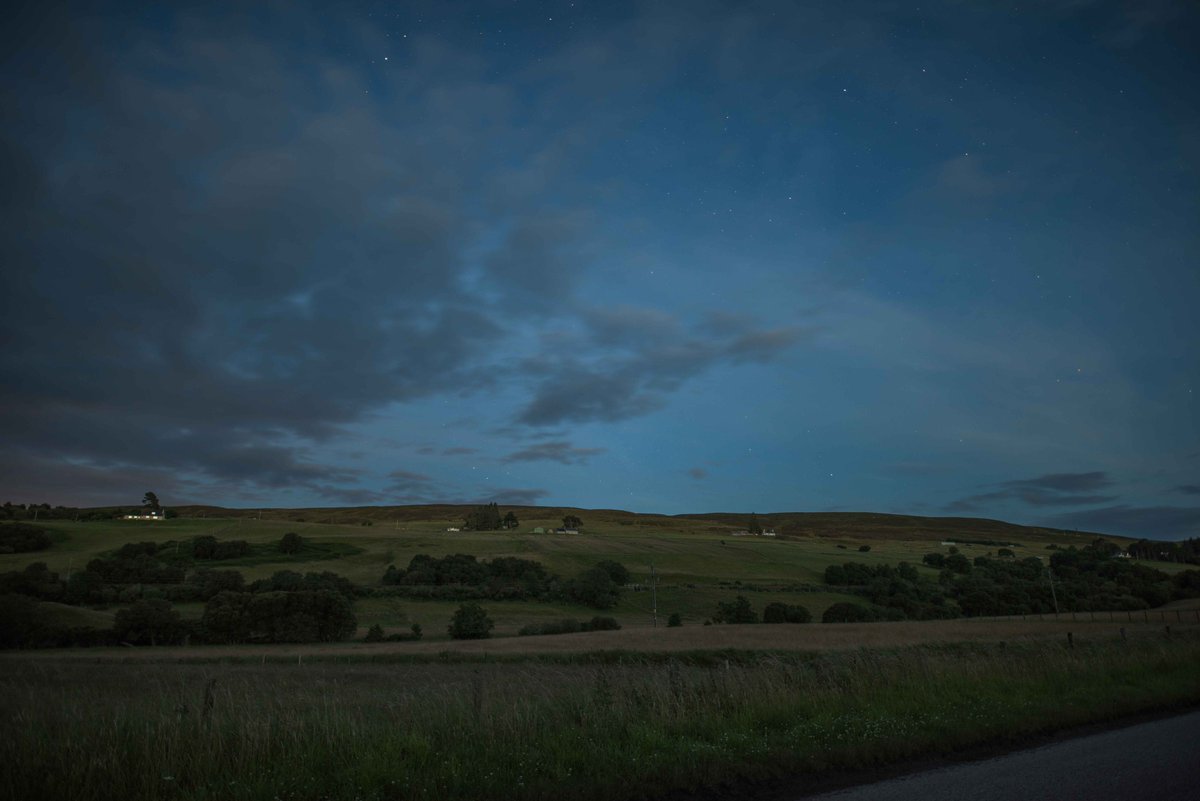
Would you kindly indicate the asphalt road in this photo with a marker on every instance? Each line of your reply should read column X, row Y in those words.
column 1155, row 761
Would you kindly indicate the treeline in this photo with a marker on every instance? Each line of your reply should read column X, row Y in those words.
column 288, row 607
column 739, row 610
column 1185, row 551
column 488, row 518
column 44, row 511
column 1087, row 579
column 463, row 577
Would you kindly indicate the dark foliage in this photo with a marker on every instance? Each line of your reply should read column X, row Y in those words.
column 778, row 612
column 291, row 543
column 846, row 612
column 735, row 611
column 149, row 622
column 23, row 538
column 470, row 622
column 278, row 617
column 675, row 620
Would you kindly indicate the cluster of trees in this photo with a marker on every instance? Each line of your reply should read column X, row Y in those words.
column 208, row 547
column 23, row 538
column 506, row 578
column 278, row 617
column 1083, row 580
column 488, row 518
column 570, row 626
column 739, row 610
column 1185, row 551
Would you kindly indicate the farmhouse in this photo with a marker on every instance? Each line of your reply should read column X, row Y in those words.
column 146, row 516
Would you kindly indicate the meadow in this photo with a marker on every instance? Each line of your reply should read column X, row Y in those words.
column 697, row 560
column 576, row 727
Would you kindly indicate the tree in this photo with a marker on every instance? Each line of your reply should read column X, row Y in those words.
column 846, row 612
column 594, row 588
column 736, row 611
column 374, row 634
column 510, row 521
column 616, row 571
column 864, row 548
column 778, row 612
column 470, row 622
column 291, row 543
column 148, row 622
column 150, row 501
column 674, row 621
column 754, row 527
column 572, row 521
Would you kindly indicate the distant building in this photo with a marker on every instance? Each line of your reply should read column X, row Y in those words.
column 159, row 515
column 768, row 532
column 453, row 528
column 539, row 530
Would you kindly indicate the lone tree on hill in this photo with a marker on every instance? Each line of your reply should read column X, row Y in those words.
column 150, row 501
column 572, row 521
column 754, row 527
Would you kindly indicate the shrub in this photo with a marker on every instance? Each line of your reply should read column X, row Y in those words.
column 778, row 612
column 674, row 621
column 602, row 624
column 470, row 622
column 149, row 622
column 935, row 560
column 374, row 634
column 846, row 612
column 736, row 611
column 864, row 548
column 291, row 543
column 616, row 571
column 22, row 538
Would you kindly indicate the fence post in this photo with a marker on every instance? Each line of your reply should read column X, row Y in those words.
column 1070, row 640
column 1123, row 638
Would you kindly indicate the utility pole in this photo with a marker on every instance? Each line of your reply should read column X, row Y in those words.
column 654, row 595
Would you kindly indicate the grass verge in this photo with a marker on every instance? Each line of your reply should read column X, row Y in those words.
column 539, row 730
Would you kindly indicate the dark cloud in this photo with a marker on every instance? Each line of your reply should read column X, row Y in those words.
column 255, row 258
column 1052, row 489
column 654, row 356
column 459, row 451
column 514, row 496
column 561, row 452
column 1151, row 522
column 1188, row 489
column 697, row 473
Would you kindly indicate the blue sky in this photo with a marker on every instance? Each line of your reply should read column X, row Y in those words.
column 668, row 257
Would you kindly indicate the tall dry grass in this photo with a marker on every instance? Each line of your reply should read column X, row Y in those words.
column 541, row 730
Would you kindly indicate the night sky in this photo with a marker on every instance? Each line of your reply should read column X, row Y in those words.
column 667, row 257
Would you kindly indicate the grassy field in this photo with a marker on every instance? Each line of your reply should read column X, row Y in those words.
column 630, row 728
column 698, row 561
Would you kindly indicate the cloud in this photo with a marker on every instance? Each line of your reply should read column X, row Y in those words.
column 1151, row 522
column 1052, row 489
column 459, row 451
column 1188, row 489
column 561, row 452
column 697, row 473
column 650, row 356
column 515, row 497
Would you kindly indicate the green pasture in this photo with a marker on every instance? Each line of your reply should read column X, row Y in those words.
column 698, row 562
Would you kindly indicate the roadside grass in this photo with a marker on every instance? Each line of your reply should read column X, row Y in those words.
column 634, row 728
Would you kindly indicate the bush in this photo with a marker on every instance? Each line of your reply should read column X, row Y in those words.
column 470, row 622
column 22, row 538
column 674, row 621
column 736, row 611
column 935, row 560
column 149, row 622
column 303, row 616
column 602, row 624
column 594, row 588
column 777, row 612
column 616, row 571
column 291, row 543
column 864, row 548
column 374, row 634
column 846, row 612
